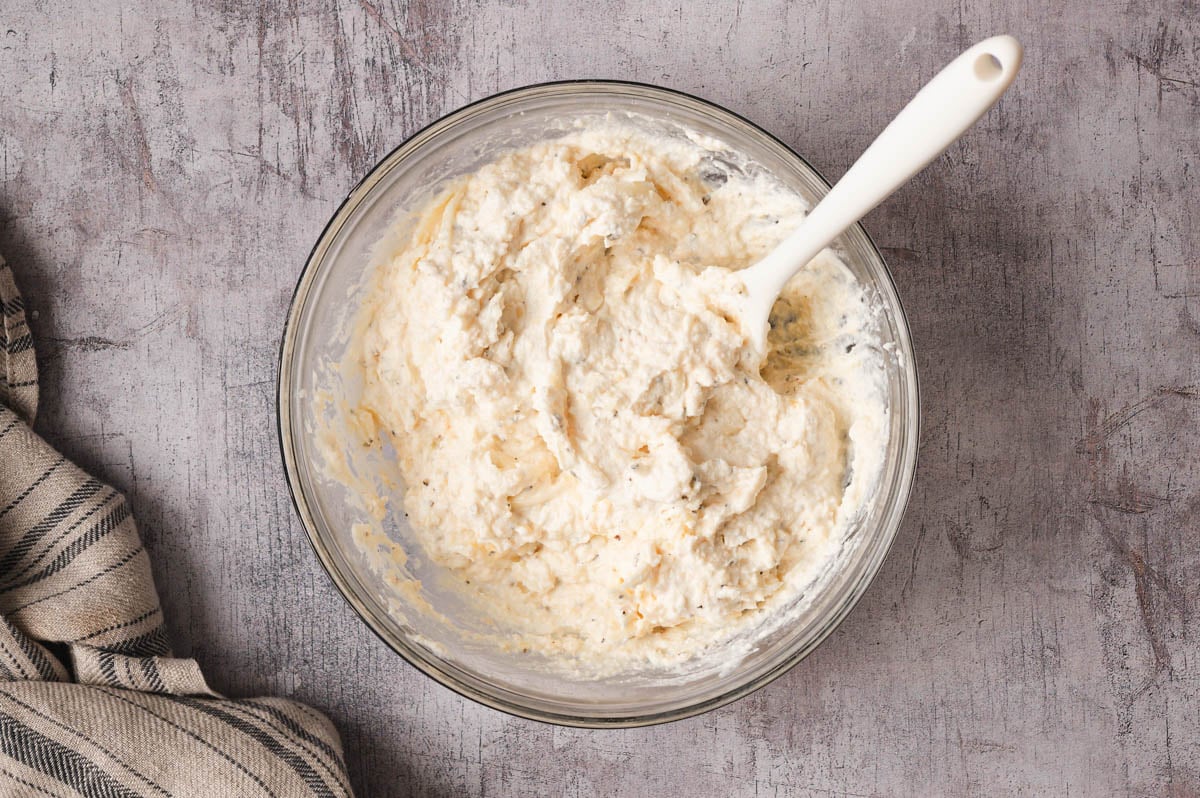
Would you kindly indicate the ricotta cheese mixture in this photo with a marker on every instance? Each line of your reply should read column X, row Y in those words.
column 587, row 439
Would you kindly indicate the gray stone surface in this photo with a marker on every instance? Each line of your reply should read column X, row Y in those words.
column 165, row 168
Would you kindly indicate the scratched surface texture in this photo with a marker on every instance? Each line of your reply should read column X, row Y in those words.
column 165, row 169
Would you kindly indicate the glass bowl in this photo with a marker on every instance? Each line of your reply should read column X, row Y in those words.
column 440, row 643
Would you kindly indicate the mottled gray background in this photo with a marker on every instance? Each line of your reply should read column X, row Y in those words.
column 165, row 169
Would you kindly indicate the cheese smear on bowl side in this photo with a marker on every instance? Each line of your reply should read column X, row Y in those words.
column 587, row 440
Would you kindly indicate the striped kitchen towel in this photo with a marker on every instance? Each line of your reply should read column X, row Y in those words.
column 91, row 700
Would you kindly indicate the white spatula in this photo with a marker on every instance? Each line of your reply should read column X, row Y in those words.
column 941, row 112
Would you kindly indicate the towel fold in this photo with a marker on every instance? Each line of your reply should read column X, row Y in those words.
column 92, row 702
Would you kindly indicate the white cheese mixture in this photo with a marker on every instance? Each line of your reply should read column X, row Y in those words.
column 587, row 440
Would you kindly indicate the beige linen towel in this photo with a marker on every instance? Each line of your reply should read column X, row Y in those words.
column 91, row 700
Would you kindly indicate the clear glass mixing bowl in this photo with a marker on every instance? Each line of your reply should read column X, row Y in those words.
column 326, row 298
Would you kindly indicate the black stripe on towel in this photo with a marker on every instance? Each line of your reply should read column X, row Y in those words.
column 38, row 752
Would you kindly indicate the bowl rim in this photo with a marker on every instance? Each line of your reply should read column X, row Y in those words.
column 437, row 670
